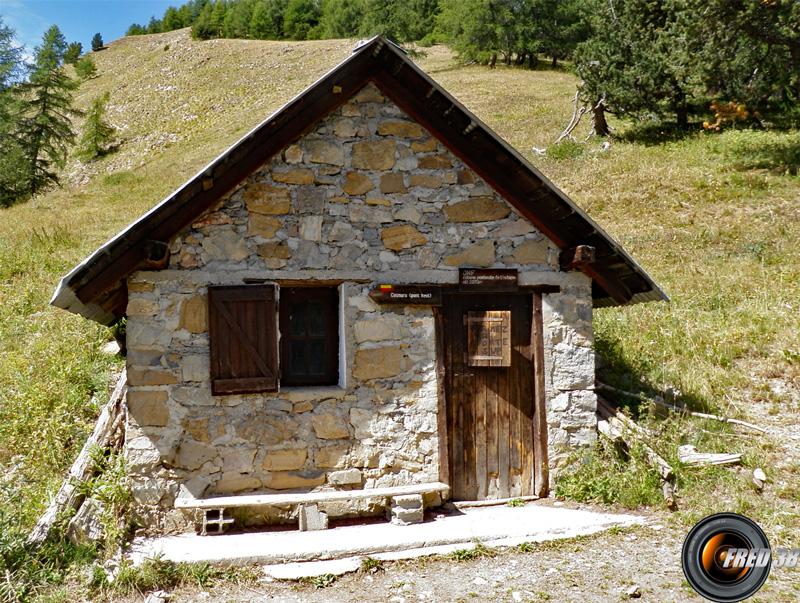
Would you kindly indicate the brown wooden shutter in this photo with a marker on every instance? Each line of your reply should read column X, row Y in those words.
column 244, row 339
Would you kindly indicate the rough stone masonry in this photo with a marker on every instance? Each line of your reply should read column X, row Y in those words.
column 367, row 196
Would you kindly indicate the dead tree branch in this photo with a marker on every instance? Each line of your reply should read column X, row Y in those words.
column 659, row 401
column 106, row 432
column 615, row 426
column 577, row 114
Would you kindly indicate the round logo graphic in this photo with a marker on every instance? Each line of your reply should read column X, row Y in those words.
column 726, row 557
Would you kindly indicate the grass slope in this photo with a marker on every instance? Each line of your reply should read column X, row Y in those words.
column 714, row 218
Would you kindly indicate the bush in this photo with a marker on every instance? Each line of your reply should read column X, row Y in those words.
column 566, row 149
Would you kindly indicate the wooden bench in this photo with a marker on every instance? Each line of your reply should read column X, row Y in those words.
column 310, row 516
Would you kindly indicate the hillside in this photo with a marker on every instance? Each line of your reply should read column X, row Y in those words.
column 715, row 219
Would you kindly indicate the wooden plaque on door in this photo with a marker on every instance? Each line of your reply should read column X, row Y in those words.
column 488, row 337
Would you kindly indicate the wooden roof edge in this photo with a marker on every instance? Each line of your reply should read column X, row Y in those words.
column 103, row 259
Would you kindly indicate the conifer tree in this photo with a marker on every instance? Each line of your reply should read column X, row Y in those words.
column 45, row 110
column 642, row 60
column 267, row 20
column 97, row 133
column 172, row 20
column 301, row 19
column 342, row 18
column 85, row 68
column 13, row 164
column 237, row 19
column 74, row 51
column 136, row 29
column 97, row 42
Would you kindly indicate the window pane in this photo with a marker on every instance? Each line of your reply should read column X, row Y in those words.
column 316, row 357
column 297, row 358
column 297, row 319
column 316, row 319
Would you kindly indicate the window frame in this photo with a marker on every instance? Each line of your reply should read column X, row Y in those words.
column 289, row 296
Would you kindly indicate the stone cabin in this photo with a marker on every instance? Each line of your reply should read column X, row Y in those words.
column 369, row 289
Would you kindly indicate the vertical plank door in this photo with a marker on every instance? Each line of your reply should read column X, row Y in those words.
column 490, row 395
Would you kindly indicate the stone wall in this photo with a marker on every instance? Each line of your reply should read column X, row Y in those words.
column 367, row 196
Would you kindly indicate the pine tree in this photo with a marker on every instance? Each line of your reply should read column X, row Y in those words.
column 267, row 20
column 218, row 18
column 172, row 20
column 13, row 165
column 97, row 42
column 136, row 29
column 751, row 53
column 85, row 68
column 560, row 26
column 237, row 19
column 74, row 51
column 45, row 111
column 97, row 133
column 154, row 26
column 642, row 60
column 301, row 19
column 342, row 18
column 476, row 29
column 400, row 20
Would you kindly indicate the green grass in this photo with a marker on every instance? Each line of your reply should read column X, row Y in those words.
column 713, row 218
column 157, row 574
column 479, row 551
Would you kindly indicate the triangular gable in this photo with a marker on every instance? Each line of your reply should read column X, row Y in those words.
column 96, row 287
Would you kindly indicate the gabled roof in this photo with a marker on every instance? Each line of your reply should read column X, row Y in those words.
column 96, row 288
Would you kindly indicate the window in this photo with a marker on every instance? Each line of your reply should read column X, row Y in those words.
column 309, row 336
column 243, row 323
column 243, row 339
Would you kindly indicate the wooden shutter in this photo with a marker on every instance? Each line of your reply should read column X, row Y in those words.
column 244, row 339
column 488, row 338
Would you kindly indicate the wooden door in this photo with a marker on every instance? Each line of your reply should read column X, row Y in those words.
column 489, row 395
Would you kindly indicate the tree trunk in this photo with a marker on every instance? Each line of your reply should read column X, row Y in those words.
column 533, row 60
column 682, row 117
column 599, row 123
column 555, row 62
column 493, row 61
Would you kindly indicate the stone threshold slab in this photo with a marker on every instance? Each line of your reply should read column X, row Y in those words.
column 533, row 522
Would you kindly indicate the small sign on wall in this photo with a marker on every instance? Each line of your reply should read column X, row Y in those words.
column 488, row 279
column 488, row 337
column 424, row 295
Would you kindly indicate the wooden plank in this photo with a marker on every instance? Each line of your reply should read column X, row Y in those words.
column 541, row 469
column 442, row 374
column 296, row 498
column 479, row 398
column 70, row 495
column 504, row 433
column 493, row 441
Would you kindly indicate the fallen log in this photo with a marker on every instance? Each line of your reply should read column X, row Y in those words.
column 615, row 426
column 659, row 401
column 689, row 456
column 68, row 498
